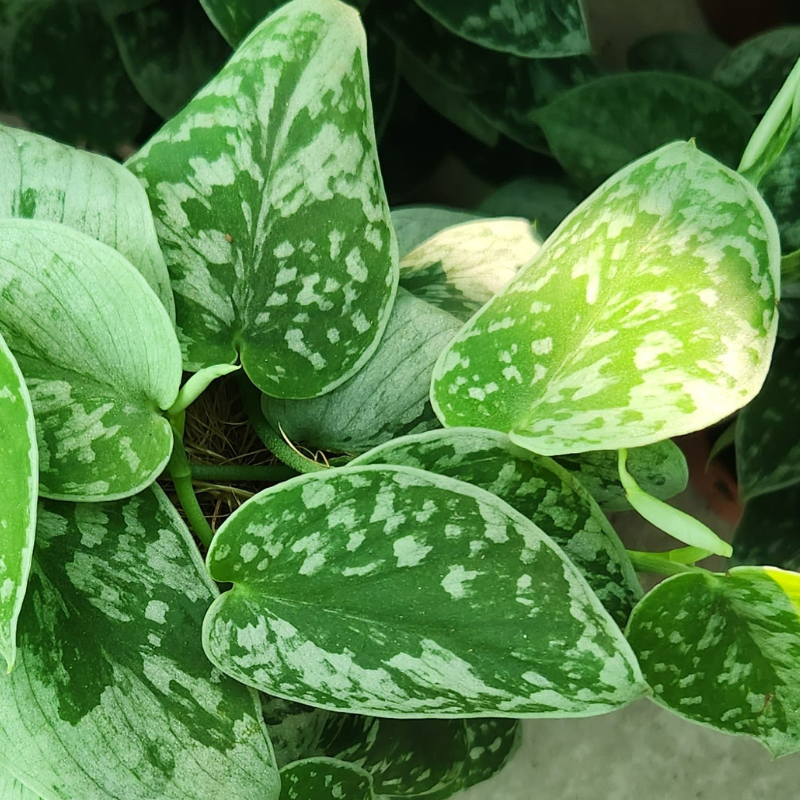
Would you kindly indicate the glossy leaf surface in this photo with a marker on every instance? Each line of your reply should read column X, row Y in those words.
column 99, row 355
column 134, row 709
column 347, row 596
column 633, row 324
column 270, row 207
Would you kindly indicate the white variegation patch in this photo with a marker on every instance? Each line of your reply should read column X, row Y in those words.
column 325, row 779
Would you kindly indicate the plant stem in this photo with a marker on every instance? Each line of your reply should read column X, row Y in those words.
column 659, row 563
column 181, row 473
column 232, row 473
column 251, row 400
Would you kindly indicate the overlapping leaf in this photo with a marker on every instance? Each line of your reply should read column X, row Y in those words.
column 325, row 779
column 388, row 397
column 270, row 207
column 42, row 179
column 392, row 591
column 722, row 650
column 133, row 709
column 535, row 486
column 649, row 313
column 99, row 355
column 19, row 477
column 599, row 127
column 533, row 28
column 416, row 224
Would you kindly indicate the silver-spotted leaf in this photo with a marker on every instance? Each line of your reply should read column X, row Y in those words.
column 462, row 267
column 134, row 709
column 270, row 207
column 649, row 313
column 388, row 397
column 325, row 779
column 295, row 730
column 599, row 127
column 532, row 28
column 416, row 224
column 42, row 179
column 722, row 650
column 660, row 469
column 12, row 789
column 19, row 474
column 539, row 489
column 391, row 591
column 99, row 356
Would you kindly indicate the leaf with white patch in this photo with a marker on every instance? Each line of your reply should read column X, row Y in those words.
column 722, row 650
column 352, row 587
column 599, row 127
column 390, row 395
column 99, row 356
column 768, row 429
column 660, row 469
column 694, row 53
column 539, row 489
column 45, row 180
column 649, row 313
column 295, row 730
column 530, row 28
column 19, row 472
column 12, row 789
column 416, row 224
column 139, row 685
column 270, row 207
column 325, row 779
column 462, row 267
column 492, row 743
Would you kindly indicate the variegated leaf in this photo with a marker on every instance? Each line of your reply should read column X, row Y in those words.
column 19, row 473
column 353, row 587
column 462, row 267
column 531, row 28
column 722, row 650
column 133, row 710
column 65, row 78
column 660, row 469
column 539, row 489
column 388, row 397
column 42, row 179
column 649, row 313
column 781, row 190
column 416, row 224
column 99, row 355
column 492, row 744
column 270, row 207
column 599, row 127
column 768, row 429
column 694, row 53
column 12, row 789
column 295, row 730
column 325, row 779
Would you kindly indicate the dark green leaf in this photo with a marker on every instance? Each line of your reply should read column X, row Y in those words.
column 693, row 53
column 781, row 189
column 294, row 729
column 325, row 779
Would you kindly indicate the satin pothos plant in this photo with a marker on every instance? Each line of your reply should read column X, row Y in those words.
column 378, row 625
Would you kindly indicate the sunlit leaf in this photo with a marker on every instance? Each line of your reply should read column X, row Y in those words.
column 325, row 779
column 347, row 596
column 133, row 710
column 99, row 355
column 270, row 208
column 649, row 313
column 722, row 650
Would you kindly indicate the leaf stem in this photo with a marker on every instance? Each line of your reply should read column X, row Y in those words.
column 233, row 473
column 659, row 563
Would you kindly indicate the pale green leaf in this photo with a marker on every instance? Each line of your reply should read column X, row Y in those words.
column 388, row 397
column 99, row 355
column 347, row 596
column 197, row 384
column 649, row 313
column 599, row 127
column 134, row 709
column 535, row 486
column 722, row 650
column 19, row 473
column 325, row 779
column 294, row 729
column 12, row 789
column 694, row 53
column 660, row 469
column 531, row 28
column 42, row 179
column 270, row 208
column 416, row 224
column 463, row 266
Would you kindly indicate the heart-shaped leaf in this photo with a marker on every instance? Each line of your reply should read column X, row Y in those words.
column 99, row 355
column 45, row 180
column 134, row 709
column 392, row 591
column 532, row 28
column 270, row 208
column 721, row 650
column 416, row 224
column 325, row 779
column 539, row 489
column 388, row 397
column 19, row 472
column 631, row 326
